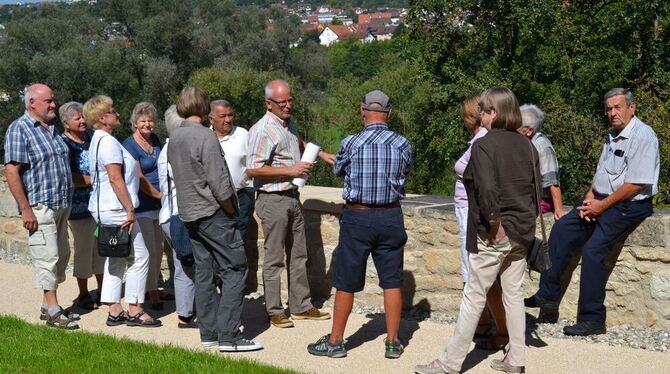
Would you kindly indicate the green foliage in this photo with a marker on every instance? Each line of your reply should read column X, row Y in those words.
column 27, row 348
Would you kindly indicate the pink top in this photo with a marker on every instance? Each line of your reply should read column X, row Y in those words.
column 460, row 197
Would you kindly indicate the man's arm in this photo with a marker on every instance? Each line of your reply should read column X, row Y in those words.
column 299, row 169
column 557, row 200
column 592, row 208
column 325, row 156
column 13, row 175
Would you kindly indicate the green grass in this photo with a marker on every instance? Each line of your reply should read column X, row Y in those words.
column 26, row 348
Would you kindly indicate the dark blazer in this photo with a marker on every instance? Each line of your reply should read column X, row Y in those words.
column 499, row 184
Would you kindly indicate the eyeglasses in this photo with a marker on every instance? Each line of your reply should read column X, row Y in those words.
column 282, row 103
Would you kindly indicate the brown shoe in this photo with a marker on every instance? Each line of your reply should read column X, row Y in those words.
column 501, row 365
column 280, row 320
column 311, row 313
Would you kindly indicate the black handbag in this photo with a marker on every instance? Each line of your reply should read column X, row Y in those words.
column 538, row 255
column 113, row 240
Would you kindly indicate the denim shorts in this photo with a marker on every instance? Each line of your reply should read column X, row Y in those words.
column 380, row 232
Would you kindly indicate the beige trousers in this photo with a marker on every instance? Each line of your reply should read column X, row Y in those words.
column 49, row 248
column 507, row 259
column 86, row 259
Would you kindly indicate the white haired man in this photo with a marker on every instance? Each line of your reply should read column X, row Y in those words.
column 619, row 199
column 37, row 167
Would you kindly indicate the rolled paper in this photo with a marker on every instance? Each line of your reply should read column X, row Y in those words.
column 310, row 154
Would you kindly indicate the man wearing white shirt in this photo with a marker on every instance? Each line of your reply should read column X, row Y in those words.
column 233, row 140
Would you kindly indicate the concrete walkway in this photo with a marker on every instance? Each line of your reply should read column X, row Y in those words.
column 287, row 347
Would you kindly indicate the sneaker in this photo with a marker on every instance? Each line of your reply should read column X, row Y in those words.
column 585, row 328
column 393, row 348
column 501, row 365
column 323, row 348
column 209, row 343
column 280, row 320
column 434, row 367
column 311, row 313
column 240, row 345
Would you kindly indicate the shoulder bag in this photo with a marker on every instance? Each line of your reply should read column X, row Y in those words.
column 179, row 237
column 538, row 256
column 113, row 240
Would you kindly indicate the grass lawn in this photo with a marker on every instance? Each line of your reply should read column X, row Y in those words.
column 26, row 348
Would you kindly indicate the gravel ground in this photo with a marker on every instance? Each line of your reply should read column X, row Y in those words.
column 616, row 336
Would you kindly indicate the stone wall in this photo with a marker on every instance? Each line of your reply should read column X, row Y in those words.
column 638, row 291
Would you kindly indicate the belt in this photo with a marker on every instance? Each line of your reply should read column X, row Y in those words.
column 360, row 206
column 290, row 193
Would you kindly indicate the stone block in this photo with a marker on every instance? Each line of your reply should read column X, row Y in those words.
column 451, row 226
column 660, row 286
column 651, row 254
column 10, row 227
column 650, row 233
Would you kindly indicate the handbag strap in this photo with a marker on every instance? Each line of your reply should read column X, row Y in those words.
column 169, row 187
column 97, row 174
column 536, row 187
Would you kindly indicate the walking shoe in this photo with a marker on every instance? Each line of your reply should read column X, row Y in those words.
column 501, row 365
column 434, row 367
column 280, row 320
column 537, row 301
column 323, row 348
column 393, row 348
column 585, row 328
column 209, row 343
column 311, row 313
column 240, row 345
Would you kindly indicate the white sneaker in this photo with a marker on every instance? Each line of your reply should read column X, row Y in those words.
column 241, row 345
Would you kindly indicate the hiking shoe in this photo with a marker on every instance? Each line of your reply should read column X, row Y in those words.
column 585, row 328
column 434, row 367
column 323, row 348
column 240, row 345
column 501, row 365
column 311, row 313
column 280, row 320
column 393, row 348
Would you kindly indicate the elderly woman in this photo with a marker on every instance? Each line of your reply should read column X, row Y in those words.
column 87, row 262
column 501, row 228
column 552, row 201
column 145, row 147
column 113, row 201
column 494, row 310
column 175, row 231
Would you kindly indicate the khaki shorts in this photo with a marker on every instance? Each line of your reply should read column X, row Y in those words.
column 49, row 247
column 86, row 259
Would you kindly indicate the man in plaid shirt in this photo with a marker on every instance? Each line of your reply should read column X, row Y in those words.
column 37, row 167
column 375, row 164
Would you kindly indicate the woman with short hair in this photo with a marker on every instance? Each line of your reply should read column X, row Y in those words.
column 86, row 260
column 113, row 201
column 145, row 147
column 501, row 228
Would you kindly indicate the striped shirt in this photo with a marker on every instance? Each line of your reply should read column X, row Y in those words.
column 272, row 142
column 375, row 164
column 47, row 180
column 549, row 168
column 631, row 156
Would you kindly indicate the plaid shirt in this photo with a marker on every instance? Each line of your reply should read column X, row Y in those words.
column 375, row 164
column 272, row 142
column 47, row 180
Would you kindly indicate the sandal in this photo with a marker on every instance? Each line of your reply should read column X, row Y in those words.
column 86, row 302
column 44, row 314
column 62, row 321
column 137, row 320
column 493, row 343
column 119, row 319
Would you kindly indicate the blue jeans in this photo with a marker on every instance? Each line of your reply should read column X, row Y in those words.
column 597, row 239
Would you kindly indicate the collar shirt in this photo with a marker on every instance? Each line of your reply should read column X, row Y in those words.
column 549, row 169
column 48, row 179
column 273, row 142
column 631, row 156
column 375, row 164
column 234, row 146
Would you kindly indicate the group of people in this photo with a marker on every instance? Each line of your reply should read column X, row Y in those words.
column 198, row 190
